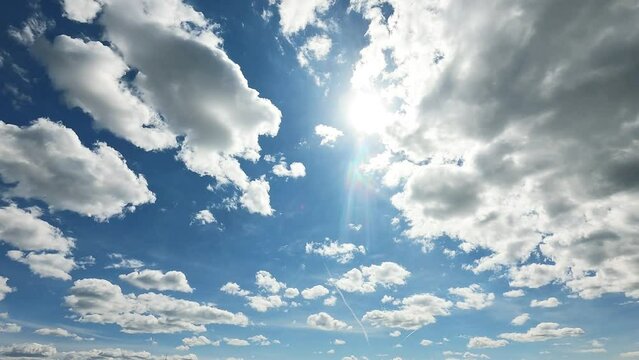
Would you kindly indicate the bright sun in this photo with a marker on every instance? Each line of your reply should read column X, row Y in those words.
column 367, row 113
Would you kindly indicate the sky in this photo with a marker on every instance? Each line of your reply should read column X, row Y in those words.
column 319, row 179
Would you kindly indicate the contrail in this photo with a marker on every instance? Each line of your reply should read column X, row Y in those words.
column 348, row 306
column 412, row 332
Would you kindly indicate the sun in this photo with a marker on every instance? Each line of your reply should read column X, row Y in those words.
column 367, row 113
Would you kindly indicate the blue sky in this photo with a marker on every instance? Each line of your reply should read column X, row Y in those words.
column 326, row 179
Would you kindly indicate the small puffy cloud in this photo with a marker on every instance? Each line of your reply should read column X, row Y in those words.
column 236, row 342
column 65, row 174
column 474, row 297
column 101, row 302
column 413, row 312
column 27, row 350
column 324, row 321
column 542, row 332
column 295, row 170
column 46, row 265
column 328, row 134
column 339, row 342
column 297, row 15
column 262, row 340
column 123, row 262
column 58, row 332
column 4, row 288
column 204, row 217
column 366, row 278
column 157, row 280
column 355, row 227
column 81, row 10
column 330, row 301
column 198, row 341
column 314, row 292
column 341, row 252
column 425, row 342
column 264, row 303
column 551, row 302
column 482, row 342
column 232, row 288
column 514, row 293
column 630, row 355
column 395, row 333
column 520, row 319
column 291, row 293
column 256, row 198
column 266, row 281
column 10, row 328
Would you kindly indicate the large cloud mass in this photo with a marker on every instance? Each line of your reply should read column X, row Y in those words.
column 522, row 128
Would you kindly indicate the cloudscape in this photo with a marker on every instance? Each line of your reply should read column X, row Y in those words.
column 319, row 179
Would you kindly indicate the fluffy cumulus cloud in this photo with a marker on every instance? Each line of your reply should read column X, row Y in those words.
column 522, row 132
column 520, row 319
column 413, row 312
column 184, row 87
column 341, row 252
column 327, row 134
column 261, row 303
column 365, row 279
column 542, row 332
column 58, row 332
column 297, row 15
column 27, row 350
column 204, row 217
column 295, row 170
column 482, row 342
column 514, row 293
column 65, row 174
column 324, row 321
column 157, row 280
column 232, row 288
column 266, row 281
column 47, row 265
column 4, row 287
column 315, row 292
column 551, row 302
column 101, row 302
column 473, row 297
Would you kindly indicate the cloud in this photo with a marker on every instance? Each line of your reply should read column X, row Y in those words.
column 341, row 252
column 413, row 312
column 339, row 342
column 81, row 10
column 324, row 321
column 395, row 333
column 4, row 288
column 328, row 134
column 519, row 148
column 27, row 350
column 124, row 263
column 330, row 301
column 295, row 170
column 425, row 342
column 520, row 319
column 514, row 293
column 236, row 342
column 262, row 340
column 204, row 217
column 46, row 265
column 297, row 15
column 483, row 342
column 551, row 302
column 366, row 278
column 157, row 280
column 291, row 293
column 24, row 230
column 316, row 48
column 630, row 354
column 215, row 114
column 474, row 297
column 101, row 302
column 58, row 332
column 314, row 292
column 542, row 332
column 67, row 175
column 266, row 281
column 120, row 354
column 355, row 227
column 232, row 288
column 198, row 341
column 264, row 303
column 10, row 328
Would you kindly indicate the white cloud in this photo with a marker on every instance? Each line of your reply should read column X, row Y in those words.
column 120, row 354
column 31, row 29
column 47, row 265
column 124, row 263
column 4, row 288
column 542, row 332
column 330, row 301
column 366, row 278
column 67, row 175
column 316, row 48
column 339, row 342
column 630, row 354
column 314, row 292
column 266, row 281
column 425, row 342
column 236, row 342
column 520, row 319
column 58, row 332
column 341, row 252
column 264, row 303
column 513, row 156
column 514, row 293
column 262, row 340
column 291, row 293
column 232, row 288
column 204, row 217
column 23, row 229
column 474, row 297
column 328, row 134
column 551, row 302
column 98, row 301
column 295, row 170
column 81, row 10
column 297, row 15
column 355, row 227
column 217, row 116
column 395, row 333
column 483, row 342
column 157, row 280
column 324, row 321
column 27, row 350
column 414, row 312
